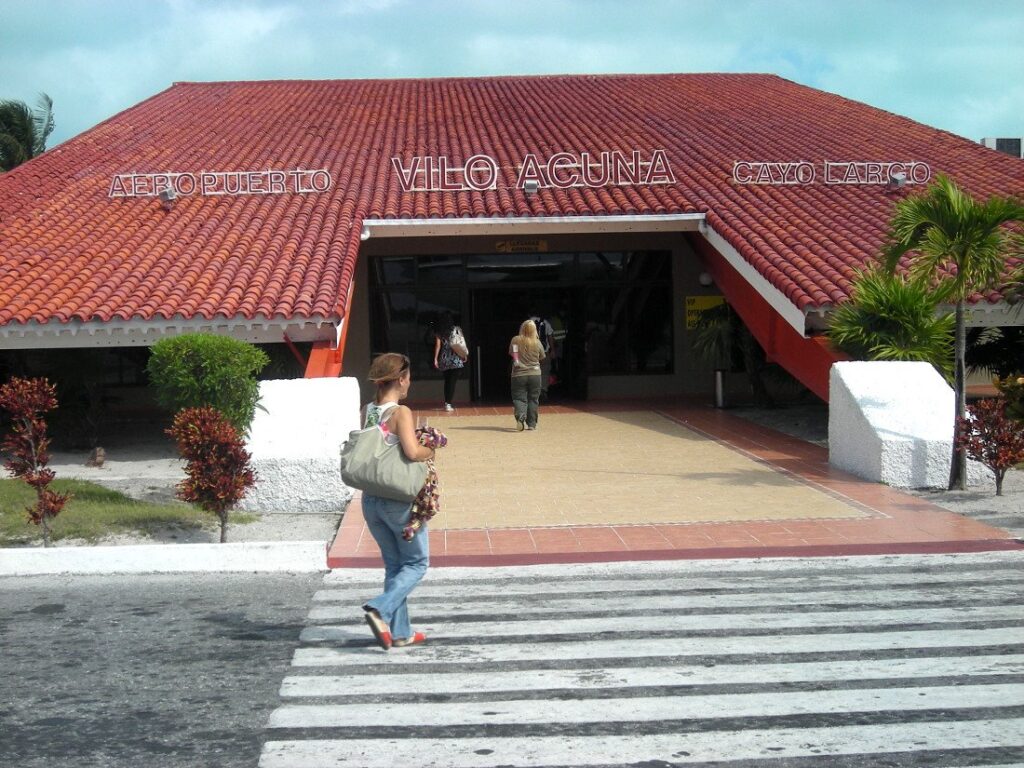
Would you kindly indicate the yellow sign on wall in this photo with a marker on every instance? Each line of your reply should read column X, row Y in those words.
column 521, row 246
column 696, row 305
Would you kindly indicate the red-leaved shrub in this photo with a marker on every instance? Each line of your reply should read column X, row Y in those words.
column 217, row 463
column 28, row 447
column 990, row 436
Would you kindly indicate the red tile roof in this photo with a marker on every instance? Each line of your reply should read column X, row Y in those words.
column 69, row 252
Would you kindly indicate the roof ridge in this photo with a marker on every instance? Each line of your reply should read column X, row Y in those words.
column 479, row 78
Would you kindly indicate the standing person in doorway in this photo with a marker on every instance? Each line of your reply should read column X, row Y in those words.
column 447, row 359
column 527, row 353
column 405, row 562
column 546, row 336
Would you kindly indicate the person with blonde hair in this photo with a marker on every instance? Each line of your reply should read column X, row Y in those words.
column 405, row 561
column 526, row 352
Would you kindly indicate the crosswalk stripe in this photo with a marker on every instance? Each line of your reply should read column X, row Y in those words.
column 615, row 678
column 939, row 566
column 903, row 661
column 315, row 657
column 641, row 709
column 455, row 604
column 432, row 590
column 485, row 751
column 692, row 623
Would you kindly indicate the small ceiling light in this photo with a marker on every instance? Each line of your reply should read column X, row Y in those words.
column 167, row 197
column 705, row 279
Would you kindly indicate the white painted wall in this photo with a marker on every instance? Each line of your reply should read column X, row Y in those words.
column 295, row 441
column 892, row 422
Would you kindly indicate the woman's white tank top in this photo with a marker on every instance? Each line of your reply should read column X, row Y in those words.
column 376, row 415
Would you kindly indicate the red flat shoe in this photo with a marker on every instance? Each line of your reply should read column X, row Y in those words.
column 416, row 639
column 379, row 629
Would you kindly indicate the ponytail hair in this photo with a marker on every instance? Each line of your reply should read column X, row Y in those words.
column 387, row 368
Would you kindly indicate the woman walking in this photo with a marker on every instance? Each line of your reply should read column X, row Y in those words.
column 405, row 562
column 527, row 352
column 446, row 359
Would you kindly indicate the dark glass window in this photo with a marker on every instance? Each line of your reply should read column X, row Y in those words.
column 522, row 268
column 647, row 265
column 396, row 270
column 601, row 266
column 628, row 321
column 393, row 322
column 605, row 335
column 441, row 269
column 621, row 303
column 650, row 328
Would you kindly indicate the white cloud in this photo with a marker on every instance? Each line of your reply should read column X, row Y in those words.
column 942, row 62
column 362, row 7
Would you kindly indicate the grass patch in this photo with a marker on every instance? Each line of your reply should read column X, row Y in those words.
column 95, row 512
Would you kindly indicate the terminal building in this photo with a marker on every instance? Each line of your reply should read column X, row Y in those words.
column 342, row 218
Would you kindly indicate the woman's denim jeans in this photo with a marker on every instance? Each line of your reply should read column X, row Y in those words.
column 525, row 396
column 405, row 562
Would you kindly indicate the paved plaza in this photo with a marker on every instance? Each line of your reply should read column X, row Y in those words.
column 632, row 481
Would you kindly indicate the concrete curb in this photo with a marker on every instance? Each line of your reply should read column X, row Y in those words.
column 248, row 557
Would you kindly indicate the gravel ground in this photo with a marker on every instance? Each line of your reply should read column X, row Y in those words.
column 146, row 467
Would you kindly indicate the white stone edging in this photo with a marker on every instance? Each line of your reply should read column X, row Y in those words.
column 241, row 557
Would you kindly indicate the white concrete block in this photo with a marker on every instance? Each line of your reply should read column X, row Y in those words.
column 295, row 441
column 892, row 422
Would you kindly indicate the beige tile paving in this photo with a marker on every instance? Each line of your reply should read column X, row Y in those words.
column 625, row 468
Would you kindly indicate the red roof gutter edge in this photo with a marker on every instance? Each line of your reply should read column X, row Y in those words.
column 777, row 300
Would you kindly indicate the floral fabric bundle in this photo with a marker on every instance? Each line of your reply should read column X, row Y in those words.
column 428, row 500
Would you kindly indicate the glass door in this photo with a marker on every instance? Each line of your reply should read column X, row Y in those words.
column 497, row 314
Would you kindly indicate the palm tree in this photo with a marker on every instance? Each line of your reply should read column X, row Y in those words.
column 23, row 131
column 889, row 317
column 960, row 244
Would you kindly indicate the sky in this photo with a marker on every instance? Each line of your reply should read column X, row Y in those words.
column 953, row 65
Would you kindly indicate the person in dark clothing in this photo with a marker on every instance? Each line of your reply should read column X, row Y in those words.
column 446, row 359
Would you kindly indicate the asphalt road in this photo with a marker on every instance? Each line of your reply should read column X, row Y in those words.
column 153, row 671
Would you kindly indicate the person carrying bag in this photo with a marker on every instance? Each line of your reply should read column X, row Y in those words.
column 372, row 464
column 450, row 355
column 385, row 461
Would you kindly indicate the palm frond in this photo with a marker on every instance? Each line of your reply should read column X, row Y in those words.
column 12, row 153
column 959, row 242
column 23, row 132
column 893, row 317
column 42, row 121
column 716, row 336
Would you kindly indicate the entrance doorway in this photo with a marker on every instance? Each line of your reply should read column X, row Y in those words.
column 612, row 312
column 496, row 314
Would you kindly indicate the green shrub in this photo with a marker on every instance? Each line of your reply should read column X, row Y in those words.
column 197, row 369
column 890, row 317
